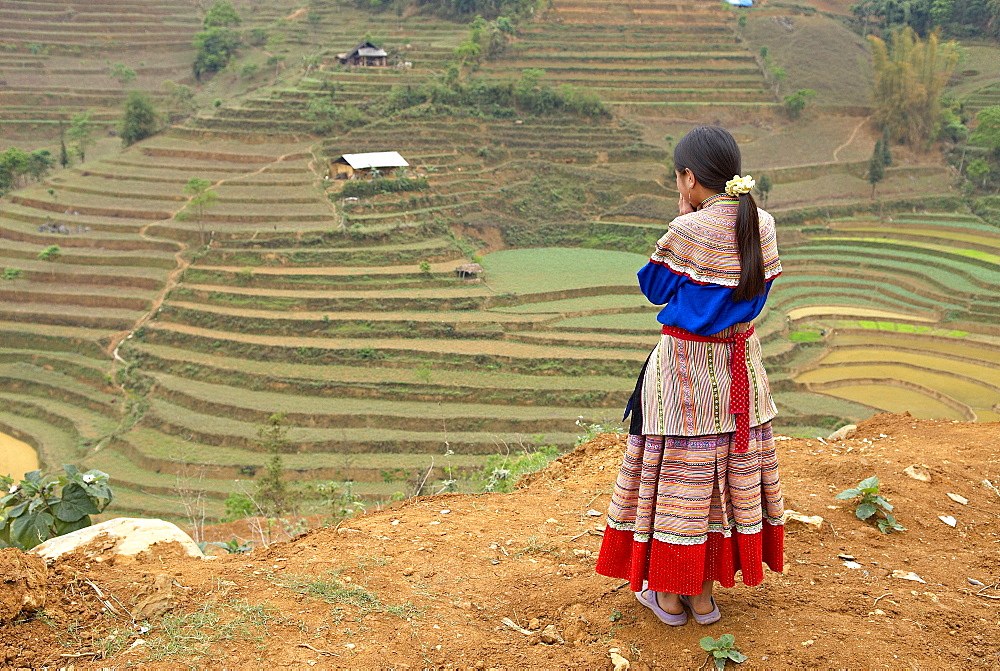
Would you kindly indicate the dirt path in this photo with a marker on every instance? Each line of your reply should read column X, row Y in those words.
column 183, row 263
column 429, row 582
column 850, row 139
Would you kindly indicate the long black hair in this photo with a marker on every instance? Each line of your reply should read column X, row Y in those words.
column 711, row 153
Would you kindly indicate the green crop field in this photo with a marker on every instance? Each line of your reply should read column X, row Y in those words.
column 160, row 339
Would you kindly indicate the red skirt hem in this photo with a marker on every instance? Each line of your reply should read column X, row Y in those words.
column 681, row 569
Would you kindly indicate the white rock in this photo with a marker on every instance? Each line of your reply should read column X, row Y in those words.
column 814, row 522
column 920, row 473
column 957, row 498
column 122, row 537
column 948, row 519
column 594, row 513
column 843, row 432
column 908, row 575
column 852, row 564
column 619, row 662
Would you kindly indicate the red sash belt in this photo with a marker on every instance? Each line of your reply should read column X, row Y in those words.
column 739, row 392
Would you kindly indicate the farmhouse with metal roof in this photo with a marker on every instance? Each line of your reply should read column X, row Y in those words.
column 355, row 166
column 365, row 54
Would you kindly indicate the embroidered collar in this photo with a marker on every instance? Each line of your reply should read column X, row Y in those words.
column 719, row 197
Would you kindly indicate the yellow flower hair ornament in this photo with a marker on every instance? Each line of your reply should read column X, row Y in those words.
column 740, row 185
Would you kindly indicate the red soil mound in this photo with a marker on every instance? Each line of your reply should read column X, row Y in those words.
column 430, row 581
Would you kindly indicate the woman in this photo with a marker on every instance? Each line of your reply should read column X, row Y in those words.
column 697, row 497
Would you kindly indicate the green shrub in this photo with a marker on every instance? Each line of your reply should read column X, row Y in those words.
column 139, row 119
column 368, row 188
column 39, row 508
column 50, row 253
column 239, row 506
column 11, row 273
column 501, row 472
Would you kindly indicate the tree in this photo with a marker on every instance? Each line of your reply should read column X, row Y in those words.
column 988, row 129
column 122, row 73
column 40, row 162
column 779, row 75
column 273, row 496
column 63, row 152
column 139, row 119
column 222, row 15
column 14, row 168
column 214, row 48
column 978, row 169
column 275, row 61
column 910, row 74
column 180, row 97
column 962, row 18
column 467, row 51
column 764, row 185
column 50, row 254
column 796, row 102
column 81, row 129
column 202, row 199
column 886, row 151
column 876, row 169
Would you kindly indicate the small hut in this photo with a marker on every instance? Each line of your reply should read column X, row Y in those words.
column 468, row 271
column 358, row 166
column 365, row 54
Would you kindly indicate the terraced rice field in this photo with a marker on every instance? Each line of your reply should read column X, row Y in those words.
column 650, row 58
column 348, row 316
column 56, row 58
column 941, row 354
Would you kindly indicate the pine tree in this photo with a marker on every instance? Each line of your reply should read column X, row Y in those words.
column 63, row 152
column 886, row 151
column 876, row 168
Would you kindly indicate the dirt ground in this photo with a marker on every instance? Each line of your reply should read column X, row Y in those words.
column 429, row 582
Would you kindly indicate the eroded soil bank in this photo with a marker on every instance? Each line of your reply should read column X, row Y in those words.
column 429, row 582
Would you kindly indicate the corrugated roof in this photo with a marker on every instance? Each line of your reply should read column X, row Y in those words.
column 368, row 51
column 376, row 159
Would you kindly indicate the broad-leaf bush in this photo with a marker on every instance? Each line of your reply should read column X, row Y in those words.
column 37, row 508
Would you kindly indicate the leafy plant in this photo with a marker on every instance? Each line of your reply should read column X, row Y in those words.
column 722, row 650
column 871, row 504
column 50, row 253
column 234, row 547
column 239, row 506
column 503, row 471
column 595, row 429
column 37, row 509
column 11, row 273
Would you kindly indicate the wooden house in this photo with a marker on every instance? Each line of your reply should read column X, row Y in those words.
column 365, row 54
column 360, row 166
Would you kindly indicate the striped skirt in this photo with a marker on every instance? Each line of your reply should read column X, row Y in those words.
column 687, row 509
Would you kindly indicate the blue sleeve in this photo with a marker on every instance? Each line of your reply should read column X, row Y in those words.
column 658, row 283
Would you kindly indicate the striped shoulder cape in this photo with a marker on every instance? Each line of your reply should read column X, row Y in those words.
column 702, row 245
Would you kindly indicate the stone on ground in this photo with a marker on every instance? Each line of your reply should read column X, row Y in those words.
column 120, row 538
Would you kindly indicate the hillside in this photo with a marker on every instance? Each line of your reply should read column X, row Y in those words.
column 139, row 352
column 427, row 582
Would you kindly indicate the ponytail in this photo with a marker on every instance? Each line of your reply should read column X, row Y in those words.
column 748, row 248
column 711, row 153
